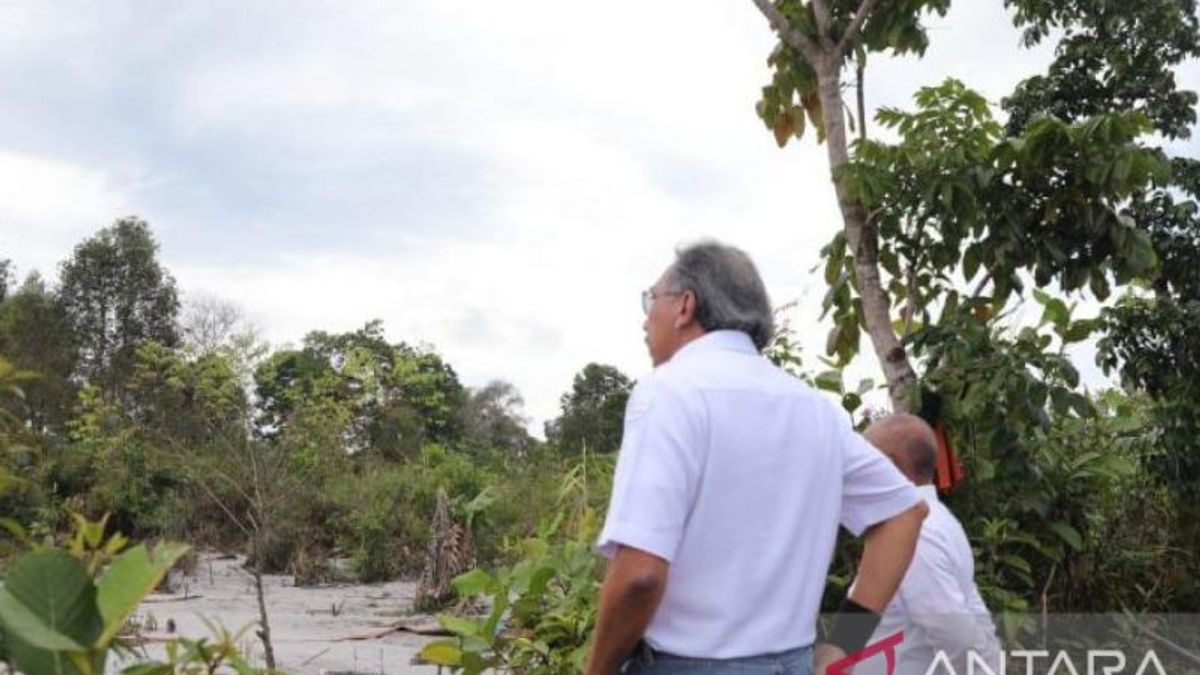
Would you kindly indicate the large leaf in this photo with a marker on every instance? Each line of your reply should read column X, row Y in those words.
column 1067, row 533
column 830, row 380
column 132, row 575
column 23, row 623
column 441, row 653
column 48, row 608
column 459, row 626
column 473, row 583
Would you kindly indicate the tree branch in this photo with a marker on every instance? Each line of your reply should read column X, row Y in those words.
column 910, row 308
column 861, row 99
column 854, row 30
column 232, row 518
column 982, row 282
column 788, row 33
column 824, row 26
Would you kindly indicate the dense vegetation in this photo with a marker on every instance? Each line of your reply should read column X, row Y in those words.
column 180, row 422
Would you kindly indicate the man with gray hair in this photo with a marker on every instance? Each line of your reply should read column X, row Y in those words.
column 731, row 481
column 938, row 606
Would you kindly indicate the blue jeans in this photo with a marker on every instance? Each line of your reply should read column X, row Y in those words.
column 646, row 661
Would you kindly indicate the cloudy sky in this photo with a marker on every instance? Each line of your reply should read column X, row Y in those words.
column 498, row 180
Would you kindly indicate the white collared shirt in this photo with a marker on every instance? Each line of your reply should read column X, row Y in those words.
column 738, row 474
column 937, row 605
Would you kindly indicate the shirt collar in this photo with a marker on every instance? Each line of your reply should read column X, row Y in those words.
column 928, row 492
column 718, row 340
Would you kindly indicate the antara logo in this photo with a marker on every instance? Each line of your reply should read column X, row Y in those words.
column 1099, row 662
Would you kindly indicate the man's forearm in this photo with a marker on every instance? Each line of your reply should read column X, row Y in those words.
column 629, row 597
column 887, row 552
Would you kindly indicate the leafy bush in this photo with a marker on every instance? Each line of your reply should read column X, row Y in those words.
column 542, row 609
column 62, row 608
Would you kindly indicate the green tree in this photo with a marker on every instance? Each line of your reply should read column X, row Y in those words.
column 818, row 38
column 992, row 207
column 35, row 335
column 386, row 398
column 117, row 297
column 6, row 278
column 426, row 384
column 184, row 400
column 593, row 412
column 1115, row 57
column 962, row 218
column 1111, row 56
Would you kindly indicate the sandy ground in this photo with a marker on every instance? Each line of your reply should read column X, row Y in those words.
column 307, row 635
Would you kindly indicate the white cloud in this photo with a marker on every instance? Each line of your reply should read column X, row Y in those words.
column 571, row 148
column 47, row 205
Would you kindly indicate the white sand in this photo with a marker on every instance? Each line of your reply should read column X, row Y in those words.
column 306, row 635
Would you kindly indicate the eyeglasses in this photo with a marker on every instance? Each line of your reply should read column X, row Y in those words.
column 649, row 295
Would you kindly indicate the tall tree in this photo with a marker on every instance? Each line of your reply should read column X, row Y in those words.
column 951, row 196
column 189, row 400
column 6, row 278
column 493, row 416
column 117, row 297
column 1123, row 56
column 593, row 412
column 389, row 398
column 817, row 39
column 961, row 218
column 36, row 336
column 209, row 323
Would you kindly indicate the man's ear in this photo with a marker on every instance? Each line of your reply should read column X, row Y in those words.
column 687, row 310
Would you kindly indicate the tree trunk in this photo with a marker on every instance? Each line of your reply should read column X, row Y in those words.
column 264, row 631
column 863, row 240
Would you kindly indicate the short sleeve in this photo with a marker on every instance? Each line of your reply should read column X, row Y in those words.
column 655, row 482
column 873, row 489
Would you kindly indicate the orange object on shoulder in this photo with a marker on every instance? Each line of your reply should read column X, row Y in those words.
column 950, row 472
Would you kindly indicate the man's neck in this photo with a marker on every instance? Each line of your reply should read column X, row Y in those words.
column 685, row 338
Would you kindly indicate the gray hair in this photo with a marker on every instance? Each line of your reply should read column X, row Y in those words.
column 729, row 292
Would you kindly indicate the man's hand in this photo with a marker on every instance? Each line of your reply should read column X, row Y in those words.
column 633, row 587
column 825, row 654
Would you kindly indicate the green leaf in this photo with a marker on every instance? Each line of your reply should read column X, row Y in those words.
column 48, row 610
column 864, row 385
column 833, row 268
column 1082, row 406
column 474, row 582
column 971, row 260
column 1067, row 533
column 460, row 626
column 22, row 622
column 1078, row 331
column 442, row 653
column 151, row 668
column 129, row 579
column 950, row 308
column 830, row 380
column 1056, row 313
column 16, row 531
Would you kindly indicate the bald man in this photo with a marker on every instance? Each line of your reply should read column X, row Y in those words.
column 937, row 605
